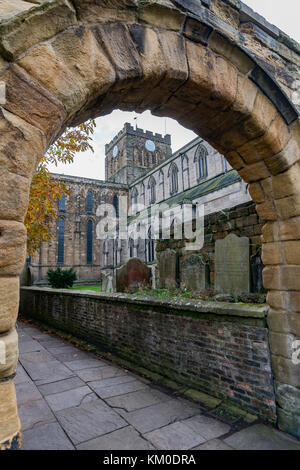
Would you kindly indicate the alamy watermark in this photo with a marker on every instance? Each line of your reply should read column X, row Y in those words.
column 160, row 221
column 296, row 353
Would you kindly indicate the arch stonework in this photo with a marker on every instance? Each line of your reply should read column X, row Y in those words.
column 202, row 63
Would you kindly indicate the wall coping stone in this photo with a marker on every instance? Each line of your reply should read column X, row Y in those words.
column 259, row 311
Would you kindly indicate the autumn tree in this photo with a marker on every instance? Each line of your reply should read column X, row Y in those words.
column 45, row 191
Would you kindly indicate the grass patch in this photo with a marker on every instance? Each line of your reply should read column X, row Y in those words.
column 93, row 288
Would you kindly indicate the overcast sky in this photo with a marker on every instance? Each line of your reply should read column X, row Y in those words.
column 284, row 14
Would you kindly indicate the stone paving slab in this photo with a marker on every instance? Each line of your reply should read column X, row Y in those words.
column 175, row 436
column 46, row 437
column 123, row 439
column 70, row 398
column 27, row 392
column 21, row 375
column 208, row 428
column 46, row 372
column 262, row 437
column 35, row 357
column 61, row 386
column 136, row 400
column 89, row 420
column 156, row 416
column 84, row 363
column 214, row 444
column 106, row 391
column 34, row 413
column 99, row 373
column 29, row 346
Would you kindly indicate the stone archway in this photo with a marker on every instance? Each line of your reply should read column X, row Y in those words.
column 64, row 61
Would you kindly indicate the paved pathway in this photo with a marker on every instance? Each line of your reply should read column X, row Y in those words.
column 70, row 399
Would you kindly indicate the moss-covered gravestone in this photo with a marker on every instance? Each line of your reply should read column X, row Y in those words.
column 194, row 273
column 232, row 265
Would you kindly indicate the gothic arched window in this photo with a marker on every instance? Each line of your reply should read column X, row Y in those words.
column 162, row 183
column 89, row 243
column 173, row 176
column 62, row 203
column 116, row 205
column 61, row 241
column 134, row 200
column 151, row 186
column 185, row 172
column 131, row 247
column 201, row 161
column 143, row 193
column 89, row 202
column 150, row 247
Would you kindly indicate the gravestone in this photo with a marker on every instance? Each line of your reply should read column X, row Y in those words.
column 194, row 273
column 168, row 269
column 153, row 273
column 133, row 275
column 108, row 283
column 232, row 265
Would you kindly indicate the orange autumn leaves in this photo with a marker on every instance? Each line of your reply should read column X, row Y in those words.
column 45, row 191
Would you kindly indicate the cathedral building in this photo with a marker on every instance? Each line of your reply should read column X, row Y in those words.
column 141, row 170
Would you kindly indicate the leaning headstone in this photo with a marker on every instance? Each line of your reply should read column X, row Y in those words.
column 232, row 265
column 168, row 269
column 133, row 275
column 194, row 273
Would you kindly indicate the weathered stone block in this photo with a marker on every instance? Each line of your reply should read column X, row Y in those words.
column 161, row 14
column 288, row 207
column 26, row 98
column 286, row 371
column 287, row 183
column 74, row 68
column 9, row 302
column 12, row 247
column 256, row 192
column 289, row 422
column 8, row 354
column 34, row 26
column 9, row 421
column 234, row 54
column 282, row 344
column 257, row 171
column 284, row 159
column 271, row 253
column 266, row 211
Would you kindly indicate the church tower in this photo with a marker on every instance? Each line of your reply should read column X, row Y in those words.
column 133, row 152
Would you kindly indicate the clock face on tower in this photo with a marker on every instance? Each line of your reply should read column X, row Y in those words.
column 115, row 151
column 150, row 145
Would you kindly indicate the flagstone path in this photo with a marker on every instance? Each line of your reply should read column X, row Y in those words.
column 69, row 399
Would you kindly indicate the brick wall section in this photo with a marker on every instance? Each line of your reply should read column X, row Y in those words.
column 221, row 349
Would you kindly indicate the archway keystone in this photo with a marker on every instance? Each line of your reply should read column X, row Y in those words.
column 65, row 61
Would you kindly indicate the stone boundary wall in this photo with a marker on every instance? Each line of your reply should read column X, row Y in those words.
column 221, row 349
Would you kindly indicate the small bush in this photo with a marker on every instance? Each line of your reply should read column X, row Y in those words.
column 61, row 278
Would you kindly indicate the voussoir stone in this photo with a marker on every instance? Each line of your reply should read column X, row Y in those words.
column 9, row 302
column 35, row 25
column 74, row 67
column 12, row 247
column 8, row 354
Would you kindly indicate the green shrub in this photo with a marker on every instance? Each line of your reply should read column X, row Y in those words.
column 61, row 278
